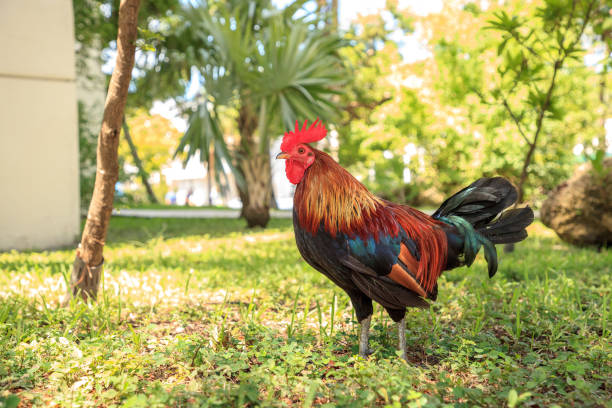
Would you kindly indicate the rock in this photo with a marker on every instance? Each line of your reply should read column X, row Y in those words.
column 580, row 209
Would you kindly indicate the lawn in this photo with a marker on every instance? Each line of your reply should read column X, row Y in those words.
column 161, row 206
column 206, row 313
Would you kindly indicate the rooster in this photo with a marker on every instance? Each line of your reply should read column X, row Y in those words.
column 390, row 253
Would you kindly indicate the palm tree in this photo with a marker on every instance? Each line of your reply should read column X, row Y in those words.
column 273, row 69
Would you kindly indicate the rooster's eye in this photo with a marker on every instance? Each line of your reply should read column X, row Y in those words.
column 301, row 150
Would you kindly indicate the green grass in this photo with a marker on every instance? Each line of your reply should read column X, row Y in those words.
column 161, row 206
column 205, row 313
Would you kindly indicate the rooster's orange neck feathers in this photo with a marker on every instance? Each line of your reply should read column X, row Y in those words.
column 330, row 195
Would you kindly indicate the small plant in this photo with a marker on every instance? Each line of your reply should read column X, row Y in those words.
column 290, row 327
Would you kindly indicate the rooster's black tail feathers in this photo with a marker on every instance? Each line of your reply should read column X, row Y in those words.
column 473, row 211
column 509, row 227
column 480, row 202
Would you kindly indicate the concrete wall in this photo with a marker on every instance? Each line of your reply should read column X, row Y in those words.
column 39, row 185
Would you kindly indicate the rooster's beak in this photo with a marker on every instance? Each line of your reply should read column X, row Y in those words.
column 282, row 155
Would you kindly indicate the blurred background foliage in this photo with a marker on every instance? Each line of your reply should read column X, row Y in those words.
column 508, row 89
column 155, row 137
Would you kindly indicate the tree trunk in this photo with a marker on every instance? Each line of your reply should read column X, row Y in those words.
column 247, row 124
column 334, row 11
column 209, row 181
column 244, row 199
column 273, row 202
column 144, row 176
column 602, row 98
column 330, row 9
column 525, row 173
column 89, row 259
column 256, row 170
column 532, row 146
column 539, row 122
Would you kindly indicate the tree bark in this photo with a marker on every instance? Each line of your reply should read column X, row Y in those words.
column 209, row 181
column 334, row 11
column 539, row 123
column 247, row 124
column 602, row 98
column 533, row 144
column 256, row 170
column 89, row 259
column 562, row 55
column 144, row 176
column 244, row 199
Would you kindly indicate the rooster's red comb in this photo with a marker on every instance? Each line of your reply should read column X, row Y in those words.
column 314, row 133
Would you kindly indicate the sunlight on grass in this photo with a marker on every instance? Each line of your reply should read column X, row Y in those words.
column 203, row 312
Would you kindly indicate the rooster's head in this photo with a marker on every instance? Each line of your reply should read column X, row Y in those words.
column 297, row 152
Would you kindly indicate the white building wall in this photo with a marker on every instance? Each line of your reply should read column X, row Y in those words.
column 39, row 185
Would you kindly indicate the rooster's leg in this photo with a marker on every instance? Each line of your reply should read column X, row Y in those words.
column 364, row 349
column 401, row 329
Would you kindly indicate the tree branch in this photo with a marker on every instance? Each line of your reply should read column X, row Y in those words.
column 352, row 107
column 516, row 120
column 144, row 176
column 561, row 56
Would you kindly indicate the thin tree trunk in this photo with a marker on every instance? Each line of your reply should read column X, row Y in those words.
column 602, row 98
column 330, row 9
column 534, row 143
column 524, row 173
column 273, row 201
column 89, row 259
column 144, row 176
column 539, row 123
column 334, row 11
column 209, row 180
column 562, row 55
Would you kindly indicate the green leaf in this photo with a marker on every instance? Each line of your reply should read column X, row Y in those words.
column 512, row 398
column 9, row 401
column 502, row 45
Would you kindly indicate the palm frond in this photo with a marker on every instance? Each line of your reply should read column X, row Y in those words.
column 204, row 135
